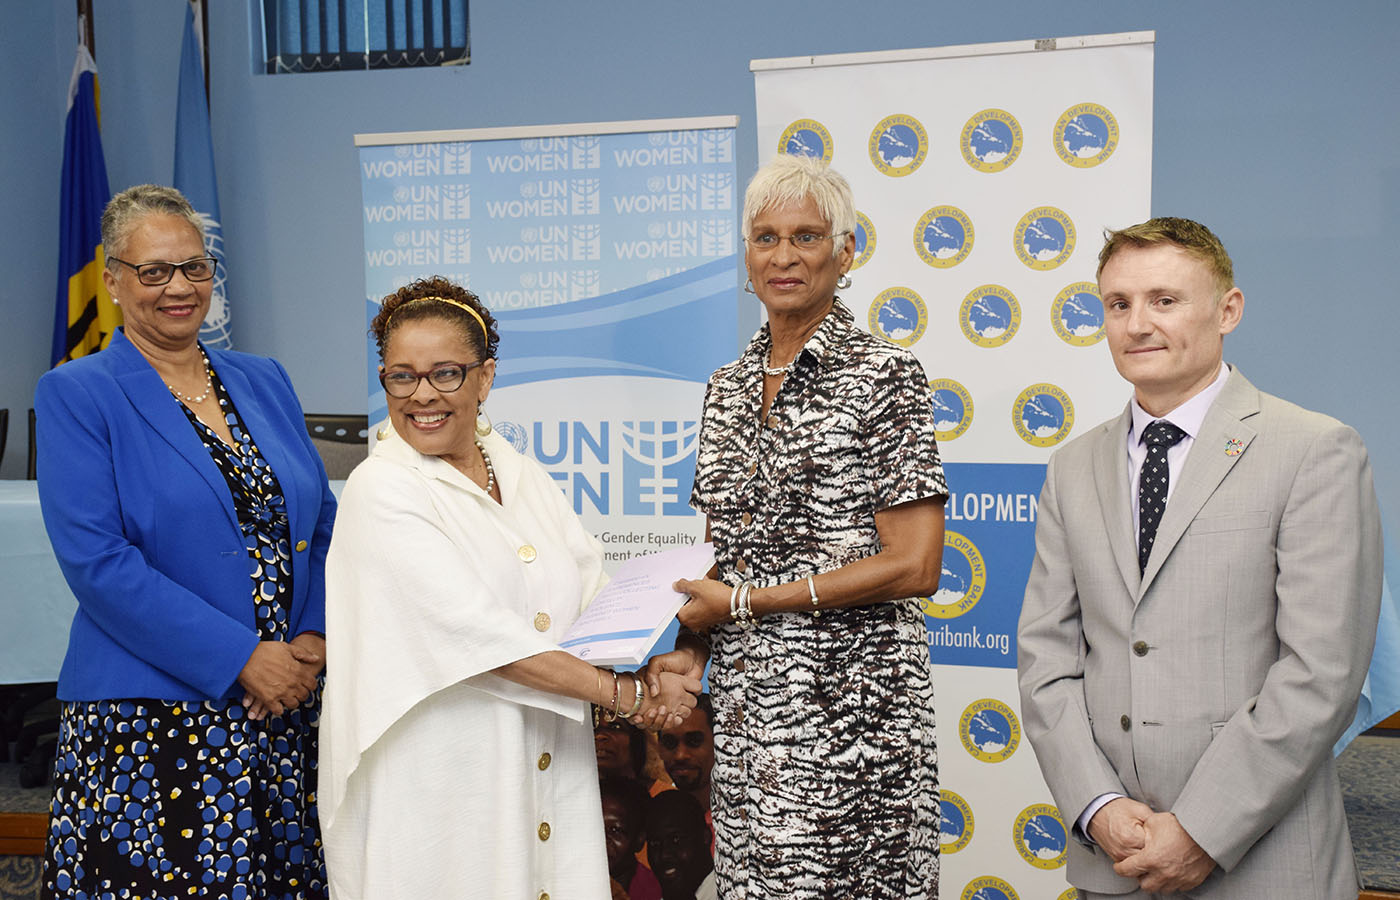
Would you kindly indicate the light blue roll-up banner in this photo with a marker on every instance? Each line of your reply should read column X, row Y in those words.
column 608, row 254
column 984, row 176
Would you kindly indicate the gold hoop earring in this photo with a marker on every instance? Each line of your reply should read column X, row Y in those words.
column 483, row 431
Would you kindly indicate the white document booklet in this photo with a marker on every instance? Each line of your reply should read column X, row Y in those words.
column 624, row 621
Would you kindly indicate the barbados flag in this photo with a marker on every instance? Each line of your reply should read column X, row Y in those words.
column 86, row 317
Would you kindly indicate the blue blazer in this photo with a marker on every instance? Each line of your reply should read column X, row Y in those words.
column 144, row 528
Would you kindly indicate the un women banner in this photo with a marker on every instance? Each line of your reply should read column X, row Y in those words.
column 608, row 254
column 984, row 176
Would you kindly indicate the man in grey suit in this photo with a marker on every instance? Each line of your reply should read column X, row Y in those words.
column 1183, row 688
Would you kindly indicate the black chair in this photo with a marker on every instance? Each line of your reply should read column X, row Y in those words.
column 32, row 472
column 342, row 441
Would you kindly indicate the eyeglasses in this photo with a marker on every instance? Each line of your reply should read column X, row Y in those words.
column 693, row 739
column 201, row 268
column 402, row 383
column 804, row 241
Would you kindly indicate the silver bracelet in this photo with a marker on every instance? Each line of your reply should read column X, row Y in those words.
column 637, row 683
column 745, row 612
column 812, row 589
column 733, row 595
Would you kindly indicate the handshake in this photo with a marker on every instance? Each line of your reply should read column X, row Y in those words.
column 664, row 692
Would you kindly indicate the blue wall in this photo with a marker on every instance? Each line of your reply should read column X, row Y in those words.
column 1276, row 124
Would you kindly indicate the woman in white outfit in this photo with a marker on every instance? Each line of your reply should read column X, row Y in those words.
column 457, row 751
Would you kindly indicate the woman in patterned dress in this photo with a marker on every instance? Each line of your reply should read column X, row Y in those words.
column 191, row 515
column 820, row 478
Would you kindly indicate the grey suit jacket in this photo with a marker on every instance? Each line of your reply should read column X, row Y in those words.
column 1214, row 684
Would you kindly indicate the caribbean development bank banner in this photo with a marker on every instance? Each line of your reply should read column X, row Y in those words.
column 984, row 176
column 607, row 253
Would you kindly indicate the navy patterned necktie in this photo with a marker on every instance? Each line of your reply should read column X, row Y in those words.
column 1152, row 484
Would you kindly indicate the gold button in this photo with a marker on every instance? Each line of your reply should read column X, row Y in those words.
column 1140, row 648
column 526, row 553
column 544, row 895
column 301, row 545
column 739, row 716
column 771, row 421
column 746, row 518
column 544, row 831
column 541, row 621
column 545, row 760
column 753, row 467
column 741, row 566
column 1125, row 722
column 738, row 665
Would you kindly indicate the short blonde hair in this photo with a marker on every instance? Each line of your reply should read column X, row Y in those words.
column 792, row 179
column 134, row 204
column 1191, row 236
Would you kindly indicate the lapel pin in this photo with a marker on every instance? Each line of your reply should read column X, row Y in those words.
column 1234, row 447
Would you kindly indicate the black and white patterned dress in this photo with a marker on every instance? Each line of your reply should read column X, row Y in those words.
column 158, row 798
column 825, row 781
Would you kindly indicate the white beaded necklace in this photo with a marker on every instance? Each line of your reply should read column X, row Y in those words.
column 208, row 384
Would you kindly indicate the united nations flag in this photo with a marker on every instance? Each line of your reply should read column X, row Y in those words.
column 85, row 316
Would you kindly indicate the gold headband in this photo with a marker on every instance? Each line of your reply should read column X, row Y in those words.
column 457, row 303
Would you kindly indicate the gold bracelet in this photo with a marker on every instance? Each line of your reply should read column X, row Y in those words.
column 612, row 716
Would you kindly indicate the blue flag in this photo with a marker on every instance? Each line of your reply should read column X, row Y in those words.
column 194, row 177
column 1380, row 694
column 85, row 317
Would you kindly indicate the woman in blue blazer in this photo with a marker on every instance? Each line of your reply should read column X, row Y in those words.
column 190, row 514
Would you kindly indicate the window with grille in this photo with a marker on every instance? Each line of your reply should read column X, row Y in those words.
column 328, row 35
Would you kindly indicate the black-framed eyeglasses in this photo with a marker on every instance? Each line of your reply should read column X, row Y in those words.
column 201, row 268
column 402, row 383
column 803, row 240
column 693, row 739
